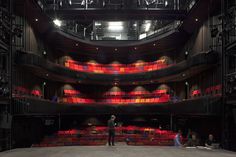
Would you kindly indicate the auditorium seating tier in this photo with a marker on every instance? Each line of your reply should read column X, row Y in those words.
column 132, row 135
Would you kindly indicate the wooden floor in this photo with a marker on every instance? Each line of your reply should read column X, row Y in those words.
column 116, row 151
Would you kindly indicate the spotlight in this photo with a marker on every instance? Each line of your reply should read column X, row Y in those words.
column 70, row 2
column 166, row 3
column 196, row 20
column 57, row 22
column 60, row 3
column 36, row 20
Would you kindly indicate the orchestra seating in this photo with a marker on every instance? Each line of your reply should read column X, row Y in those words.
column 132, row 135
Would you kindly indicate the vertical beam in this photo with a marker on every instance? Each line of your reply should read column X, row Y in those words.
column 171, row 121
column 223, row 75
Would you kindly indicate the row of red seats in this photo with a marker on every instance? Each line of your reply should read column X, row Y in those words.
column 77, row 100
column 115, row 68
column 18, row 90
column 162, row 99
column 70, row 92
column 214, row 90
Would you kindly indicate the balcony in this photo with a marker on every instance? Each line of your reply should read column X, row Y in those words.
column 177, row 72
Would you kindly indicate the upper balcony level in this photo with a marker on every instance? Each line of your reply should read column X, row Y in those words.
column 117, row 68
column 144, row 73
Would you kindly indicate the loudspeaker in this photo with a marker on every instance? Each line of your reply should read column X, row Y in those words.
column 5, row 121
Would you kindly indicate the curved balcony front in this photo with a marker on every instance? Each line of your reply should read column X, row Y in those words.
column 176, row 72
column 207, row 105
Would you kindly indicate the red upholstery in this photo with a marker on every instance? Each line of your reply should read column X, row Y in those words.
column 36, row 92
column 70, row 92
column 115, row 68
column 133, row 135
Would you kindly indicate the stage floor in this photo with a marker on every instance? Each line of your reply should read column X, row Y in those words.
column 116, row 151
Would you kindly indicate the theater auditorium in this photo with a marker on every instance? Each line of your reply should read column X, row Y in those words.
column 118, row 78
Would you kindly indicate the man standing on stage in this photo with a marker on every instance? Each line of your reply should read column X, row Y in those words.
column 111, row 130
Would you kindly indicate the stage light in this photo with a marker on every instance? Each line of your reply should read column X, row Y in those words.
column 186, row 83
column 60, row 3
column 97, row 48
column 57, row 22
column 196, row 19
column 147, row 27
column 36, row 20
column 115, row 49
column 70, row 2
column 76, row 44
column 166, row 3
column 98, row 24
column 44, row 83
column 44, row 52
